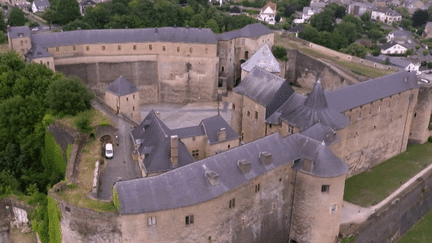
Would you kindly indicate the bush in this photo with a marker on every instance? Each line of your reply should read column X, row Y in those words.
column 425, row 53
column 33, row 24
column 430, row 139
column 235, row 9
column 280, row 53
column 82, row 122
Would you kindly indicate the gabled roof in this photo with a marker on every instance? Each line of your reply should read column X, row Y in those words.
column 356, row 95
column 154, row 140
column 19, row 31
column 381, row 9
column 41, row 3
column 304, row 112
column 297, row 28
column 264, row 59
column 213, row 125
column 87, row 2
column 270, row 4
column 165, row 34
column 322, row 133
column 188, row 185
column 251, row 30
column 37, row 52
column 390, row 44
column 265, row 88
column 391, row 12
column 122, row 86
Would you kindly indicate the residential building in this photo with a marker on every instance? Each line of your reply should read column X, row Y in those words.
column 268, row 13
column 40, row 5
column 123, row 98
column 393, row 48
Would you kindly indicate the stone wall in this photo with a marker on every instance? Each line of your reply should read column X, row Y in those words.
column 419, row 132
column 12, row 212
column 377, row 131
column 396, row 218
column 256, row 217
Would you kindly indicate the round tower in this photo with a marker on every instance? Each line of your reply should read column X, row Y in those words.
column 318, row 195
column 421, row 116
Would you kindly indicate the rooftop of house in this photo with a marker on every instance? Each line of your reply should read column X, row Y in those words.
column 211, row 177
column 122, row 86
column 390, row 44
column 391, row 12
column 37, row 52
column 381, row 9
column 322, row 133
column 356, row 95
column 87, row 2
column 165, row 34
column 265, row 88
column 304, row 112
column 396, row 61
column 297, row 28
column 19, row 31
column 251, row 30
column 264, row 59
column 153, row 138
column 41, row 3
column 270, row 4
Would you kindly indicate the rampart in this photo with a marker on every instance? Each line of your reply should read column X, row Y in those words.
column 397, row 217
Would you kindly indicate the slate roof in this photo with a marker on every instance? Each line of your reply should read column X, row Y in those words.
column 41, row 3
column 391, row 12
column 165, row 34
column 251, row 30
column 387, row 45
column 270, row 4
column 188, row 185
column 396, row 61
column 297, row 28
column 265, row 88
column 322, row 133
column 187, row 132
column 87, row 2
column 154, row 139
column 122, row 86
column 264, row 59
column 352, row 96
column 19, row 31
column 37, row 52
column 304, row 112
column 213, row 125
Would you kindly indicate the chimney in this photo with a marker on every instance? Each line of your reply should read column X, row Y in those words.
column 212, row 177
column 244, row 166
column 221, row 135
column 308, row 165
column 265, row 157
column 174, row 150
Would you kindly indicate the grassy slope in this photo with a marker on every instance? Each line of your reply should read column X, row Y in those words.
column 420, row 232
column 375, row 185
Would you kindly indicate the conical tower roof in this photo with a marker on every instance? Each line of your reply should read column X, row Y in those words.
column 122, row 86
column 316, row 99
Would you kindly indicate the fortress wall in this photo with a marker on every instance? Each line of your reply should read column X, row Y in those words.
column 256, row 217
column 419, row 132
column 377, row 131
column 253, row 127
column 397, row 217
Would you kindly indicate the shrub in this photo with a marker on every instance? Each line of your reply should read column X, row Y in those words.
column 425, row 53
column 235, row 9
column 82, row 122
column 430, row 139
column 33, row 24
column 280, row 53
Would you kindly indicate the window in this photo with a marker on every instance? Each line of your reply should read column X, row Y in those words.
column 190, row 50
column 178, row 49
column 134, row 47
column 41, row 62
column 150, row 47
column 359, row 114
column 229, row 146
column 193, row 138
column 103, row 48
column 47, row 63
column 256, row 115
column 206, row 51
column 58, row 49
column 270, row 125
column 127, row 99
column 233, row 107
column 325, row 188
column 333, row 208
column 119, row 47
column 189, row 219
column 133, row 108
column 87, row 48
column 222, row 69
column 133, row 96
column 248, row 113
column 415, row 114
column 232, row 203
column 195, row 153
column 151, row 220
column 246, row 55
column 74, row 48
column 21, row 43
column 290, row 129
column 163, row 48
column 257, row 187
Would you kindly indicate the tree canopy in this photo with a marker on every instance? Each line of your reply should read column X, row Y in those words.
column 420, row 18
column 66, row 11
column 16, row 17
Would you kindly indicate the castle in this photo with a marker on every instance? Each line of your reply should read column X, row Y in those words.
column 286, row 183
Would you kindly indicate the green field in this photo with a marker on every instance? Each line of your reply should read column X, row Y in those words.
column 371, row 187
column 420, row 232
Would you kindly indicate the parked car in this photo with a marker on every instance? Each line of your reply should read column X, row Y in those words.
column 109, row 152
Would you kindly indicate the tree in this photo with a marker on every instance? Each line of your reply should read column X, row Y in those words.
column 324, row 20
column 310, row 34
column 2, row 22
column 366, row 16
column 289, row 10
column 280, row 53
column 420, row 18
column 67, row 11
column 356, row 49
column 277, row 18
column 339, row 11
column 48, row 15
column 375, row 34
column 16, row 17
column 68, row 96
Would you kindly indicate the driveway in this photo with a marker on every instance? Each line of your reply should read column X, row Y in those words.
column 121, row 166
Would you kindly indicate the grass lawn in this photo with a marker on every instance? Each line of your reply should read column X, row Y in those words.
column 375, row 185
column 364, row 70
column 420, row 232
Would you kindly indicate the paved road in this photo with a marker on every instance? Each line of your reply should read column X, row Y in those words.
column 121, row 165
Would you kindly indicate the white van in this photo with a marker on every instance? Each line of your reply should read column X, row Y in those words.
column 109, row 152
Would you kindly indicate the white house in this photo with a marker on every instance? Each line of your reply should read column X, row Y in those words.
column 268, row 13
column 393, row 48
column 385, row 15
column 308, row 12
column 40, row 5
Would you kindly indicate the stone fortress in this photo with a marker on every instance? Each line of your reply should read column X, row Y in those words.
column 284, row 184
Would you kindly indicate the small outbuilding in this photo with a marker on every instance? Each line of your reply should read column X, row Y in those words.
column 123, row 98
